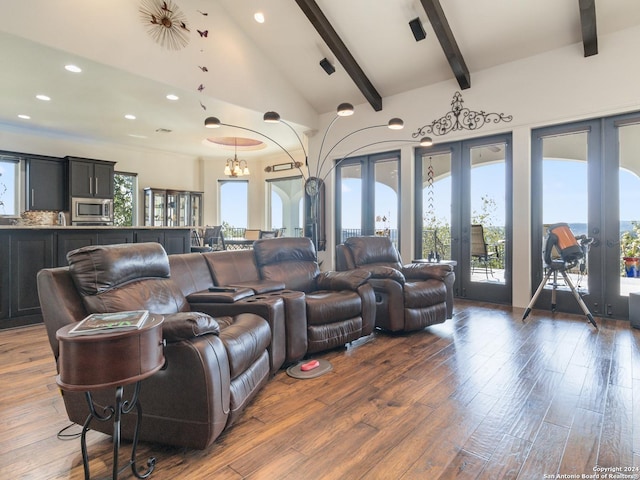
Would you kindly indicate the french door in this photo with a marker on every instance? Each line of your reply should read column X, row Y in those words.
column 462, row 189
column 587, row 174
column 368, row 196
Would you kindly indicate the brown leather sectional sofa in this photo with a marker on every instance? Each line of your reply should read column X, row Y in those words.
column 222, row 346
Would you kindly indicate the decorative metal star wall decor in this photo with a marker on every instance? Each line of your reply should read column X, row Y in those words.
column 460, row 118
column 165, row 22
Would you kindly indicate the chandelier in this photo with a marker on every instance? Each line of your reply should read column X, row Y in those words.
column 234, row 167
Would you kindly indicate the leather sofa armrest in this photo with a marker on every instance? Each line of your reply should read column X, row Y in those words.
column 423, row 271
column 349, row 280
column 260, row 286
column 384, row 272
column 186, row 325
column 232, row 296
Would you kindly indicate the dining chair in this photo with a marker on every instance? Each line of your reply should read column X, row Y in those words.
column 252, row 234
column 197, row 244
column 214, row 237
column 268, row 233
column 480, row 251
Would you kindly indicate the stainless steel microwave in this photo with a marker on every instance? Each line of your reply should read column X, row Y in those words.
column 92, row 210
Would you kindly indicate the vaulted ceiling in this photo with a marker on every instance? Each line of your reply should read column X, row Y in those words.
column 235, row 68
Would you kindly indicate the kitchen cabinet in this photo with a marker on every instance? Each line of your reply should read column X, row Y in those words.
column 177, row 241
column 46, row 184
column 4, row 276
column 90, row 178
column 111, row 237
column 31, row 251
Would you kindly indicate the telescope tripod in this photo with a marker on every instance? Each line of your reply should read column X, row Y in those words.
column 553, row 270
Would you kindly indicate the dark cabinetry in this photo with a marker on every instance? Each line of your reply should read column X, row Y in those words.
column 111, row 237
column 4, row 276
column 70, row 240
column 90, row 178
column 31, row 251
column 46, row 181
column 174, row 241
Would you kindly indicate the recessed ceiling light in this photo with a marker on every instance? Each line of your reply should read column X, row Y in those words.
column 171, row 96
column 128, row 116
column 135, row 135
column 42, row 97
column 259, row 17
column 24, row 117
column 73, row 68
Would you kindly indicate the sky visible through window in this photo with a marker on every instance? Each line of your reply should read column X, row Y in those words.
column 565, row 194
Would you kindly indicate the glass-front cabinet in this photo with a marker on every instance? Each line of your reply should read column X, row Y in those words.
column 172, row 208
column 196, row 209
column 155, row 207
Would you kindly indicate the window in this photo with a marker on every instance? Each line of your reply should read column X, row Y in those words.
column 367, row 196
column 286, row 199
column 125, row 199
column 233, row 205
column 9, row 185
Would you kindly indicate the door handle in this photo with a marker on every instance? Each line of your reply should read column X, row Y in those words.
column 95, row 180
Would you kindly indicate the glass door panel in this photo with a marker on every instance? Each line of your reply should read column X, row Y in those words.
column 350, row 183
column 386, row 198
column 367, row 196
column 488, row 217
column 172, row 209
column 159, row 201
column 629, row 224
column 464, row 193
column 565, row 193
column 196, row 209
column 621, row 225
column 435, row 187
column 183, row 208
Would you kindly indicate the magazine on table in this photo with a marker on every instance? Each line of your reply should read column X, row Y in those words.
column 110, row 322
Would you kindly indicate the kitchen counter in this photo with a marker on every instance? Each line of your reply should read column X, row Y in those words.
column 26, row 249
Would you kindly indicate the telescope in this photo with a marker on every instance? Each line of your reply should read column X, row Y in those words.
column 561, row 239
column 561, row 252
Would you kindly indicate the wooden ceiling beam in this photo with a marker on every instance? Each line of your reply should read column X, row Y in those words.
column 588, row 24
column 448, row 42
column 340, row 50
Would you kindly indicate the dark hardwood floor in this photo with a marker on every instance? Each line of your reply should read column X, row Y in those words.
column 482, row 396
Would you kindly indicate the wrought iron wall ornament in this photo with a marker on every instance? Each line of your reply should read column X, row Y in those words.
column 165, row 22
column 460, row 118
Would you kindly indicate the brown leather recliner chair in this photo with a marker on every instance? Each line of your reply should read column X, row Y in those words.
column 340, row 306
column 214, row 367
column 408, row 297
